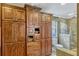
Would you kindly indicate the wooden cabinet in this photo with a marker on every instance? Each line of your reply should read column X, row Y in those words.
column 36, row 18
column 9, row 49
column 43, row 23
column 48, row 17
column 48, row 46
column 12, row 13
column 13, row 49
column 0, row 29
column 19, row 31
column 20, row 47
column 24, row 31
column 20, row 15
column 46, row 34
column 7, row 12
column 48, row 29
column 13, row 30
column 48, row 38
column 29, row 15
column 8, row 31
column 43, row 26
column 33, row 31
column 33, row 49
column 43, row 47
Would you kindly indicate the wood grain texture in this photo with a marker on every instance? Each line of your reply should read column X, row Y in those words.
column 20, row 47
column 8, row 31
column 43, row 48
column 13, row 31
column 33, row 49
column 46, row 34
column 33, row 21
column 7, row 13
column 48, row 46
column 19, row 31
column 0, row 29
column 19, row 14
column 9, row 49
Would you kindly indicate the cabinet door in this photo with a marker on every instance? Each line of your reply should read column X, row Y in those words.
column 33, row 49
column 9, row 49
column 43, row 45
column 43, row 16
column 29, row 17
column 48, row 18
column 8, row 31
column 43, row 30
column 20, row 31
column 48, row 30
column 7, row 13
column 20, row 15
column 36, row 18
column 20, row 49
column 48, row 46
column 0, row 29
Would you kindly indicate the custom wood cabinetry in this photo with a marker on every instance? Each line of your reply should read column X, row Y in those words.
column 20, row 49
column 33, row 31
column 7, row 12
column 46, row 34
column 9, row 49
column 38, row 32
column 8, row 31
column 33, row 49
column 20, row 14
column 24, row 31
column 13, row 30
column 0, row 29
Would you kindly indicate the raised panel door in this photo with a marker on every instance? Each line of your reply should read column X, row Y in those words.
column 8, row 31
column 9, row 49
column 43, row 30
column 48, row 29
column 43, row 47
column 48, row 18
column 20, row 49
column 29, row 17
column 33, row 48
column 48, row 46
column 7, row 13
column 20, row 31
column 20, row 15
column 36, row 18
column 0, row 29
column 43, row 16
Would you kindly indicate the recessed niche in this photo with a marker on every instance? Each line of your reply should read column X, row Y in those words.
column 37, row 31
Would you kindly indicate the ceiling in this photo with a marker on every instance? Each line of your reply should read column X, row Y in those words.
column 60, row 10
